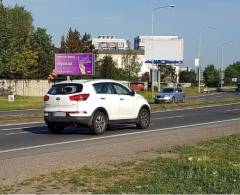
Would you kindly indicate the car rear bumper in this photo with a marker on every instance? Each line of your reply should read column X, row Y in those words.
column 69, row 120
column 158, row 100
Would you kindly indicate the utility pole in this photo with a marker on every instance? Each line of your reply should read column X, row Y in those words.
column 1, row 3
column 159, row 73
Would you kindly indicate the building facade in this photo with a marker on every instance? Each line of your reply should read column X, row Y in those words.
column 115, row 47
column 109, row 42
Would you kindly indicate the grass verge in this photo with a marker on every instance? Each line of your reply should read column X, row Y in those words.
column 194, row 103
column 22, row 117
column 21, row 102
column 208, row 167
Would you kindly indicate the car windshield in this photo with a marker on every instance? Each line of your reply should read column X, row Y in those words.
column 167, row 90
column 65, row 89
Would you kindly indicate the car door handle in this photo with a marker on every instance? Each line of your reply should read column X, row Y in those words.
column 103, row 98
column 121, row 98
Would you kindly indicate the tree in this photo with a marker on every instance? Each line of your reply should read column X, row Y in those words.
column 232, row 71
column 168, row 73
column 21, row 62
column 107, row 68
column 15, row 30
column 42, row 44
column 86, row 43
column 62, row 48
column 211, row 76
column 187, row 77
column 73, row 42
column 130, row 64
column 145, row 77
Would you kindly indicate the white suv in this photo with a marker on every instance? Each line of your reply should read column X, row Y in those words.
column 93, row 103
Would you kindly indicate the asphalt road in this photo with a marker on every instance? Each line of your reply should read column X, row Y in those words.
column 33, row 138
column 221, row 95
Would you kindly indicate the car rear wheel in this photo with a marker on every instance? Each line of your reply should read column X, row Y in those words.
column 55, row 129
column 99, row 123
column 183, row 100
column 143, row 119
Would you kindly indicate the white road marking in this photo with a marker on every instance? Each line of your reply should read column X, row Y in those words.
column 20, row 128
column 16, row 133
column 24, row 132
column 237, row 109
column 192, row 108
column 112, row 136
column 169, row 117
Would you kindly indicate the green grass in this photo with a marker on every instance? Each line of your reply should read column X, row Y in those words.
column 22, row 117
column 26, row 102
column 206, row 168
column 194, row 103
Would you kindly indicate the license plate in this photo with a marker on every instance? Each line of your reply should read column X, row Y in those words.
column 59, row 114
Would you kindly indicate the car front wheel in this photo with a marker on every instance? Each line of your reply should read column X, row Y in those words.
column 143, row 119
column 99, row 123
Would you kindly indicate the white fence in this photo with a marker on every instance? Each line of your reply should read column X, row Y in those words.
column 24, row 87
column 32, row 87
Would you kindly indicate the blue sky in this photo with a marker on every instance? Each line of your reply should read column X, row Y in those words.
column 129, row 18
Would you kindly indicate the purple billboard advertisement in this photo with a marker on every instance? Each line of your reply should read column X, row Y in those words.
column 74, row 64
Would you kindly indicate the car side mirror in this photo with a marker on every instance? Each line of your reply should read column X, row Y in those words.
column 132, row 93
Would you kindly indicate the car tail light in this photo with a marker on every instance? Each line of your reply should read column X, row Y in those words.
column 46, row 98
column 79, row 97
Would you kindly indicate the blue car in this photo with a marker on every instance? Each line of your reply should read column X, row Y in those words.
column 170, row 94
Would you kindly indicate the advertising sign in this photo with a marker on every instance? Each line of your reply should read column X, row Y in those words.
column 234, row 79
column 74, row 64
column 164, row 50
column 196, row 62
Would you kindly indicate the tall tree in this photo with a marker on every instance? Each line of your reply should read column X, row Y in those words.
column 73, row 42
column 145, row 77
column 15, row 30
column 168, row 73
column 21, row 62
column 62, row 48
column 42, row 44
column 232, row 71
column 130, row 64
column 187, row 77
column 87, row 45
column 211, row 76
column 107, row 68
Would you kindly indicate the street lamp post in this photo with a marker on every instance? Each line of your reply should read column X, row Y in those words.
column 154, row 10
column 199, row 55
column 222, row 72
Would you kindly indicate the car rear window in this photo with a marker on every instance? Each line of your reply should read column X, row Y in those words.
column 168, row 90
column 65, row 89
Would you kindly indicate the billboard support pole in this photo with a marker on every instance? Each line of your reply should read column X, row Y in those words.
column 152, row 58
column 159, row 78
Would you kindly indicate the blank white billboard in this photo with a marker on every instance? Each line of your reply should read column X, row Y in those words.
column 168, row 49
